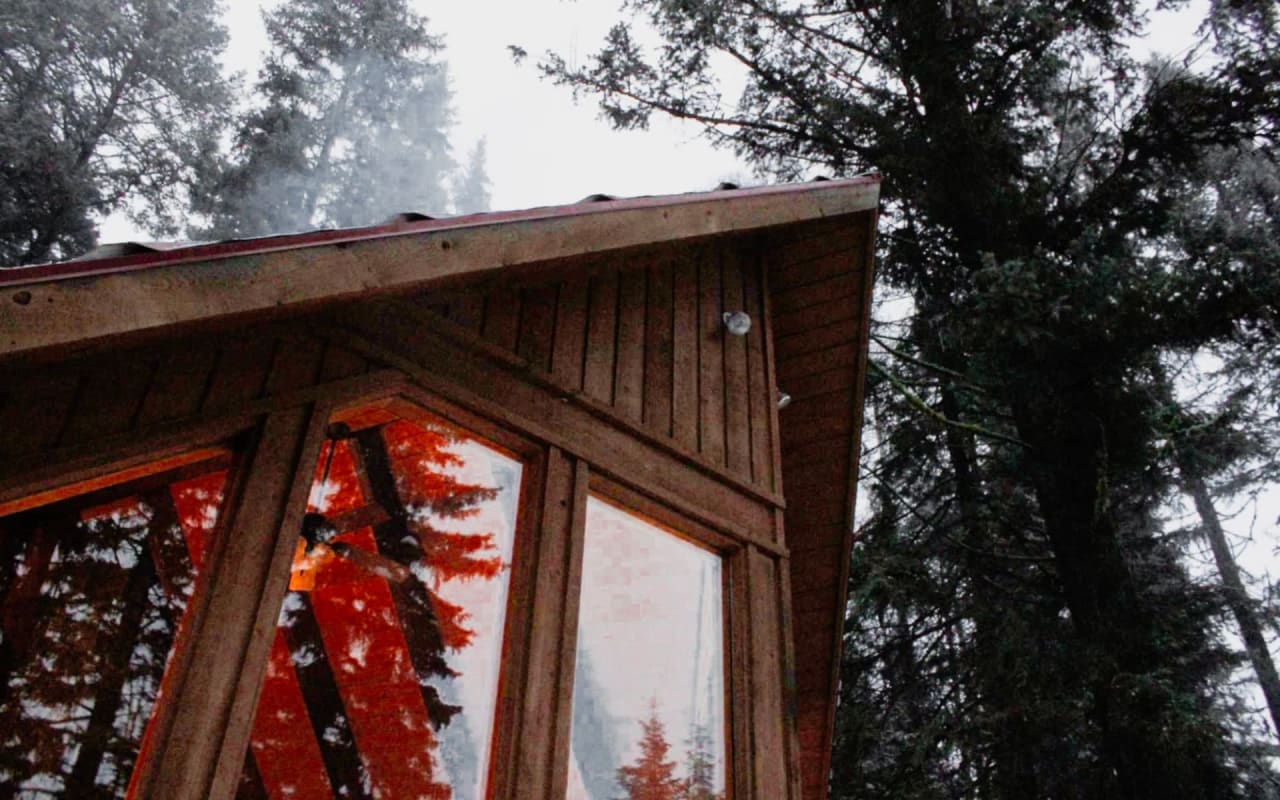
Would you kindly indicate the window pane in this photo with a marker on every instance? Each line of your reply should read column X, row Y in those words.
column 94, row 582
column 648, row 692
column 383, row 674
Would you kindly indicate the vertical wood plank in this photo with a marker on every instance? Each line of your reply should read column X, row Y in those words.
column 110, row 398
column 241, row 372
column 771, row 384
column 551, row 631
column 571, row 333
column 502, row 318
column 602, row 331
column 738, row 594
column 204, row 750
column 179, row 384
column 518, row 628
column 537, row 325
column 769, row 757
column 657, row 351
column 737, row 391
column 762, row 404
column 467, row 310
column 789, row 698
column 35, row 410
column 340, row 362
column 561, row 741
column 684, row 347
column 629, row 378
column 711, row 336
column 296, row 365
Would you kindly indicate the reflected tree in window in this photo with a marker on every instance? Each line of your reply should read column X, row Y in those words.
column 650, row 665
column 652, row 776
column 93, row 588
column 382, row 678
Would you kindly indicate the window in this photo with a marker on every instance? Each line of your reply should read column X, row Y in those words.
column 95, row 582
column 648, row 703
column 383, row 674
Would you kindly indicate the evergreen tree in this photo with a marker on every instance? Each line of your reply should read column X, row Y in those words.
column 1025, row 626
column 349, row 127
column 652, row 776
column 471, row 192
column 700, row 767
column 104, row 105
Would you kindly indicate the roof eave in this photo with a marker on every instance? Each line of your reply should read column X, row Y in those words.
column 63, row 305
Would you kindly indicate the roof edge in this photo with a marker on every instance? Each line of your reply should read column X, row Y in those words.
column 137, row 256
column 75, row 303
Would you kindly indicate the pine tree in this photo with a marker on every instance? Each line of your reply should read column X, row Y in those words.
column 349, row 126
column 700, row 768
column 652, row 776
column 104, row 105
column 1039, row 184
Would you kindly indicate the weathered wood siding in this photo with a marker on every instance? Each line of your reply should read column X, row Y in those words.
column 69, row 406
column 643, row 337
column 818, row 291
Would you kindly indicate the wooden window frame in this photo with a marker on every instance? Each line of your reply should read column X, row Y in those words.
column 202, row 729
column 733, row 581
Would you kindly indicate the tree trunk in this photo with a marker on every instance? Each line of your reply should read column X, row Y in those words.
column 1153, row 750
column 1255, row 643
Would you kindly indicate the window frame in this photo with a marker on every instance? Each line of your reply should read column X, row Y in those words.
column 215, row 697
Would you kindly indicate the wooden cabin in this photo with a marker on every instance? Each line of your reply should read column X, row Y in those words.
column 546, row 504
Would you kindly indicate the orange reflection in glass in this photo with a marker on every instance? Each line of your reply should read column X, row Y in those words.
column 648, row 695
column 383, row 674
column 93, row 592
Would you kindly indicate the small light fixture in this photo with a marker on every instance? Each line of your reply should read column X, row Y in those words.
column 784, row 399
column 737, row 322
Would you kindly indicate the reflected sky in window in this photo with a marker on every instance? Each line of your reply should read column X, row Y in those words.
column 648, row 704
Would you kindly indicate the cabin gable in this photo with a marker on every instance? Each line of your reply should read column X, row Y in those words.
column 601, row 366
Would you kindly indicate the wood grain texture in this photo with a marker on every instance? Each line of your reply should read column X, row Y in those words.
column 711, row 336
column 658, row 351
column 737, row 388
column 184, row 760
column 629, row 378
column 769, row 740
column 538, row 325
column 251, row 280
column 760, row 392
column 109, row 398
column 536, row 761
column 602, row 333
column 577, row 425
column 686, row 335
column 502, row 317
column 571, row 333
column 821, row 290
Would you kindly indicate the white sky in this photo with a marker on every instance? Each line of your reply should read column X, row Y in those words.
column 542, row 149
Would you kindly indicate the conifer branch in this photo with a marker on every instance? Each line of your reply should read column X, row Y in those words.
column 919, row 403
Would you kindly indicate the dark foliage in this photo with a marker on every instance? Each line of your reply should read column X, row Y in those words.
column 1059, row 220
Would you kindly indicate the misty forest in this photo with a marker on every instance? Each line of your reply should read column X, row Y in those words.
column 1072, row 404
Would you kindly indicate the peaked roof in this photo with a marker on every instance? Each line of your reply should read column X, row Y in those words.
column 127, row 291
column 79, row 301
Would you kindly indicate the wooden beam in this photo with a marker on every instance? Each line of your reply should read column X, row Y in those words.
column 70, row 311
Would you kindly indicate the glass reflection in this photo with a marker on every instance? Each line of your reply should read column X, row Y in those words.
column 93, row 588
column 383, row 674
column 648, row 696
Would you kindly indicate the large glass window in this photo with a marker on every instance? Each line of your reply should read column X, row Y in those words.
column 648, row 694
column 94, row 583
column 383, row 675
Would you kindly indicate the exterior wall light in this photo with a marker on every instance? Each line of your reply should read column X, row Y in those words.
column 784, row 399
column 737, row 322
